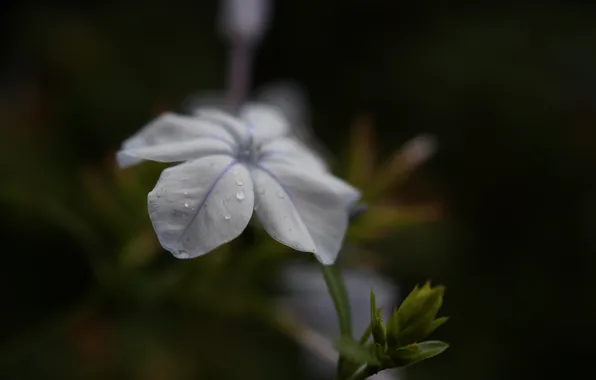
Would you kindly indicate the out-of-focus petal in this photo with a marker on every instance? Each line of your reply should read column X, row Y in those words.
column 266, row 122
column 303, row 209
column 290, row 98
column 292, row 151
column 199, row 205
column 174, row 151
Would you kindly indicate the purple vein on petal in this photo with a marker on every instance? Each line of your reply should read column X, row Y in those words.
column 209, row 191
column 274, row 177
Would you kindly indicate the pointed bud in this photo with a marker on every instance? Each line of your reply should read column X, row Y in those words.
column 393, row 329
column 378, row 330
column 376, row 322
column 415, row 318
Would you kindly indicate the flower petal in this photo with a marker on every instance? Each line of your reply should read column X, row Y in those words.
column 233, row 125
column 301, row 208
column 170, row 128
column 266, row 121
column 199, row 205
column 292, row 151
column 173, row 152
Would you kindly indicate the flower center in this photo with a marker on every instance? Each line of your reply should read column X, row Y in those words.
column 247, row 152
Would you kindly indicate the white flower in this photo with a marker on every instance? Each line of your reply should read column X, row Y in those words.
column 232, row 166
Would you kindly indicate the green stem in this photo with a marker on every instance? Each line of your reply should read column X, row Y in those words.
column 337, row 291
column 339, row 295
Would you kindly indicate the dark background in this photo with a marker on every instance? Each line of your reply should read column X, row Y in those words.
column 509, row 91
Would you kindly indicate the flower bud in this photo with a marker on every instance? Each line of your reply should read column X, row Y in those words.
column 244, row 20
column 416, row 317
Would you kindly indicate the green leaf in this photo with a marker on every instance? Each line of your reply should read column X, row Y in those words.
column 354, row 352
column 417, row 352
column 337, row 291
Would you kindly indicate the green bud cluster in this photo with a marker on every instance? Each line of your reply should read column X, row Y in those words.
column 399, row 341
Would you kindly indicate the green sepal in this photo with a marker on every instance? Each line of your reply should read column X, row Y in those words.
column 417, row 352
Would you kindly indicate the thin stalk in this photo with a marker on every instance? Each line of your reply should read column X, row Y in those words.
column 239, row 73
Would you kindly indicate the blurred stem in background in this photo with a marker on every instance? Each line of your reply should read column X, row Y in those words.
column 242, row 25
column 240, row 64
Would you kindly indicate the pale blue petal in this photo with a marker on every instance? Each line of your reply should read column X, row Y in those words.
column 292, row 151
column 303, row 209
column 266, row 121
column 233, row 125
column 290, row 98
column 170, row 128
column 174, row 151
column 199, row 205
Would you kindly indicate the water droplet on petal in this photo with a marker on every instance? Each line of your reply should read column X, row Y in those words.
column 227, row 217
column 280, row 194
column 261, row 191
column 186, row 193
column 239, row 182
column 240, row 195
column 186, row 205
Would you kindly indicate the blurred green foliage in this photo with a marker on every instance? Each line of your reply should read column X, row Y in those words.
column 508, row 202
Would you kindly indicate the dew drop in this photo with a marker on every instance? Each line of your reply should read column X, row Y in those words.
column 261, row 191
column 186, row 193
column 186, row 205
column 227, row 217
column 239, row 182
column 240, row 195
column 280, row 194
